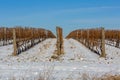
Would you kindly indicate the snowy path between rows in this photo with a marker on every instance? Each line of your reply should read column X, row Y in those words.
column 75, row 51
column 76, row 61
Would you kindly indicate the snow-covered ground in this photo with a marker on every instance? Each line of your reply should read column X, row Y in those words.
column 77, row 63
column 41, row 52
column 74, row 51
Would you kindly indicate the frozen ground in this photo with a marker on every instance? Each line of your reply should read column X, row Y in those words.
column 40, row 52
column 74, row 51
column 76, row 63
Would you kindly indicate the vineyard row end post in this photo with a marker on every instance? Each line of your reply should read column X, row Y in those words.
column 59, row 40
column 118, row 39
column 103, row 54
column 14, row 43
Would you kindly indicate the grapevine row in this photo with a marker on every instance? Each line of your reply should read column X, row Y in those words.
column 94, row 39
column 23, row 38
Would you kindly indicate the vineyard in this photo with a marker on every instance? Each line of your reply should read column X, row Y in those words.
column 37, row 54
column 23, row 38
column 95, row 39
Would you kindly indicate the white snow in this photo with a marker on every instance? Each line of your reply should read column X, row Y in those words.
column 40, row 52
column 6, row 50
column 77, row 52
column 76, row 62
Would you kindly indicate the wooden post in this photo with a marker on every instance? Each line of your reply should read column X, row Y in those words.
column 46, row 34
column 19, row 32
column 59, row 40
column 88, row 38
column 14, row 43
column 81, row 37
column 103, row 54
column 5, row 37
column 117, row 43
column 32, row 40
column 77, row 35
column 117, row 40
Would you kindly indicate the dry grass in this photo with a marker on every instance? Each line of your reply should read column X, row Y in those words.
column 86, row 76
column 47, row 74
column 108, row 77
